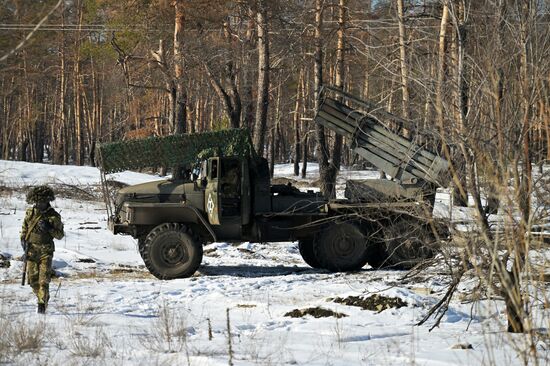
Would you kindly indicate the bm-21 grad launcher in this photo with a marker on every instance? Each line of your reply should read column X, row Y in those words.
column 225, row 194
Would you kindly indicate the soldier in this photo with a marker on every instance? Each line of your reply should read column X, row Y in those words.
column 41, row 225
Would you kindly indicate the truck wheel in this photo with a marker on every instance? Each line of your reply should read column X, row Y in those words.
column 377, row 256
column 171, row 251
column 341, row 247
column 406, row 243
column 141, row 245
column 308, row 254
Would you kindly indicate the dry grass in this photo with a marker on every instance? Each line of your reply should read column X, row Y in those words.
column 168, row 333
column 95, row 345
column 118, row 273
column 19, row 336
column 26, row 336
column 80, row 314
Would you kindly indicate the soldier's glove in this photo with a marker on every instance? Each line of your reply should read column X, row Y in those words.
column 24, row 245
column 44, row 226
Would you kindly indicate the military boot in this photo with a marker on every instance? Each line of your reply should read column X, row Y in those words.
column 41, row 309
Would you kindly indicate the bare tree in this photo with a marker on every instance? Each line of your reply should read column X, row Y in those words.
column 262, row 100
column 403, row 61
column 329, row 165
column 181, row 94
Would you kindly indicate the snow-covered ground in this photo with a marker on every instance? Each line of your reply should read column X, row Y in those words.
column 105, row 308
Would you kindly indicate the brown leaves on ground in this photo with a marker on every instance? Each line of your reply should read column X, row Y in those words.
column 316, row 312
column 374, row 303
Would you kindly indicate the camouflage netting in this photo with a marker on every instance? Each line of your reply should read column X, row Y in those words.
column 175, row 150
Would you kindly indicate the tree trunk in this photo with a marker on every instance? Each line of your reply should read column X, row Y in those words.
column 441, row 70
column 455, row 174
column 322, row 149
column 497, row 76
column 248, row 46
column 77, row 89
column 262, row 100
column 515, row 303
column 404, row 66
column 305, row 155
column 181, row 95
column 231, row 83
column 297, row 137
column 58, row 130
column 334, row 168
column 275, row 130
column 460, row 193
column 305, row 129
column 272, row 152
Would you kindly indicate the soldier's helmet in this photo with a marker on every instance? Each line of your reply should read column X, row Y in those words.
column 40, row 194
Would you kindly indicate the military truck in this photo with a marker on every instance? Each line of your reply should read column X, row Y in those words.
column 225, row 194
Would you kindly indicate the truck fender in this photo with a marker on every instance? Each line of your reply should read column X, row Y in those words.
column 155, row 214
column 203, row 221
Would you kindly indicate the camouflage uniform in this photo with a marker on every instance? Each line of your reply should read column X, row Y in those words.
column 41, row 225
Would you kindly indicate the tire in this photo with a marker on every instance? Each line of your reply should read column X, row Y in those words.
column 308, row 254
column 406, row 243
column 341, row 247
column 171, row 251
column 376, row 257
column 141, row 246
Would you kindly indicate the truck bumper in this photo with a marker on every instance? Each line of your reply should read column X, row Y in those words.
column 117, row 228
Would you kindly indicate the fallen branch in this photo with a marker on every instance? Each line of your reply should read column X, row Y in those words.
column 419, row 268
column 73, row 187
column 443, row 305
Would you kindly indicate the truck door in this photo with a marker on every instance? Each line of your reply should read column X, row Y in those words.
column 212, row 191
column 230, row 189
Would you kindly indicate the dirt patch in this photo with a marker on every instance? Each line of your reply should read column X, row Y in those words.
column 116, row 271
column 315, row 312
column 211, row 252
column 125, row 268
column 462, row 346
column 374, row 303
column 4, row 261
column 85, row 260
column 245, row 251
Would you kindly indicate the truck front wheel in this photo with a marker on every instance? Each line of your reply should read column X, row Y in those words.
column 341, row 247
column 171, row 251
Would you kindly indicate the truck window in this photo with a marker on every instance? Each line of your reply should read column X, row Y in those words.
column 214, row 169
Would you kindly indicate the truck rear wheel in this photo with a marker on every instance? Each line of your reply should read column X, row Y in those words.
column 308, row 254
column 171, row 251
column 341, row 247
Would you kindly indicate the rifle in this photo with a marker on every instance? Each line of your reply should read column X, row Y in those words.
column 25, row 255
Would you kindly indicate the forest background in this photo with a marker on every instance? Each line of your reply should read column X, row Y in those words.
column 75, row 73
column 471, row 78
